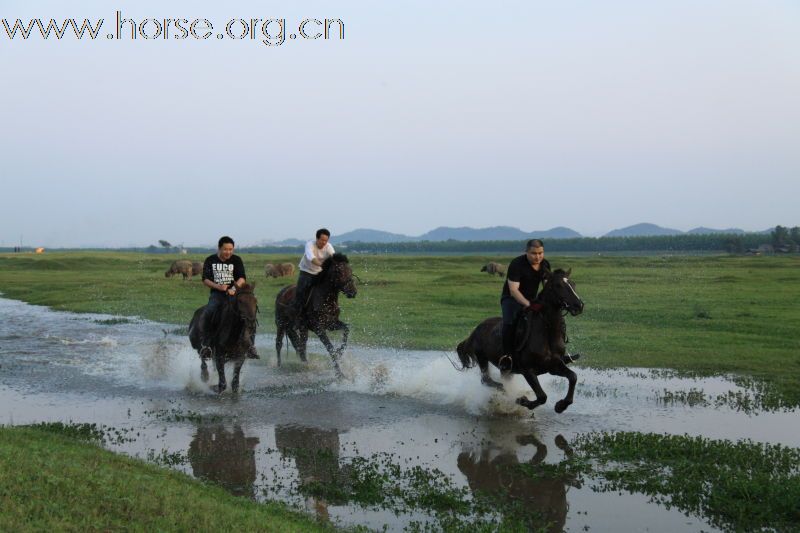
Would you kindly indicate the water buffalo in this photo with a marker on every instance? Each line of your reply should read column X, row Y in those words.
column 183, row 267
column 279, row 270
column 197, row 268
column 494, row 268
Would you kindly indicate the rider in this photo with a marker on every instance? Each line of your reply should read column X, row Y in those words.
column 316, row 252
column 524, row 275
column 223, row 273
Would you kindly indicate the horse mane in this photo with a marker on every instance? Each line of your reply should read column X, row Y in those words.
column 335, row 258
column 247, row 288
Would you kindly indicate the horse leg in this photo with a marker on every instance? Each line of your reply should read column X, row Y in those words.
column 219, row 359
column 562, row 370
column 203, row 370
column 483, row 363
column 279, row 341
column 541, row 397
column 236, row 369
column 345, row 333
column 300, row 341
column 331, row 350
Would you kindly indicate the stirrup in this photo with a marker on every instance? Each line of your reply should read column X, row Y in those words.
column 505, row 364
column 205, row 351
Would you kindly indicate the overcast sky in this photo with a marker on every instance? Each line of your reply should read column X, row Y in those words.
column 591, row 115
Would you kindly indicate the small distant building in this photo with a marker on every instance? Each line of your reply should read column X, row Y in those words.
column 39, row 250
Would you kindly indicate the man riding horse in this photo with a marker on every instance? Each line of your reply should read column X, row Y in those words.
column 315, row 254
column 525, row 274
column 223, row 273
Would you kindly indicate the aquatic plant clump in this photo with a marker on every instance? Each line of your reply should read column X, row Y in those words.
column 733, row 485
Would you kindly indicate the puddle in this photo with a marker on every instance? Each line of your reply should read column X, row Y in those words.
column 296, row 425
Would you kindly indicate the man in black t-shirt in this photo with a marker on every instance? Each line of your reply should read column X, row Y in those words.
column 223, row 273
column 524, row 276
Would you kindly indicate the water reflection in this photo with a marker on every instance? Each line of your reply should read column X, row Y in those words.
column 226, row 457
column 493, row 470
column 315, row 452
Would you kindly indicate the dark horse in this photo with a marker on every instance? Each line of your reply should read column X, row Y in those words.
column 320, row 312
column 235, row 325
column 540, row 341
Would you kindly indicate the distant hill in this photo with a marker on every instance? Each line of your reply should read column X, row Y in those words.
column 444, row 233
column 371, row 235
column 711, row 231
column 642, row 230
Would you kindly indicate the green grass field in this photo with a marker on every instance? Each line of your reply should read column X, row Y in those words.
column 53, row 482
column 708, row 314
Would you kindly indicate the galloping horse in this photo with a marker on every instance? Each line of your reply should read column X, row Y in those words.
column 539, row 346
column 320, row 311
column 235, row 325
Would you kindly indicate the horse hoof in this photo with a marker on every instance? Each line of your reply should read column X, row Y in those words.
column 523, row 401
column 219, row 389
column 561, row 405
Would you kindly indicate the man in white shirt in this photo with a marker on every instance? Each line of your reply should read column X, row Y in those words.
column 316, row 252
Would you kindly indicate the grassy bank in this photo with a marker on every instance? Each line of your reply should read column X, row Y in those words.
column 694, row 314
column 53, row 482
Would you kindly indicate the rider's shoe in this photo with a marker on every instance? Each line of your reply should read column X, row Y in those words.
column 205, row 351
column 252, row 353
column 568, row 358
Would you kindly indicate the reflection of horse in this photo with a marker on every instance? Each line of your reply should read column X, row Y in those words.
column 235, row 326
column 316, row 454
column 320, row 312
column 540, row 344
column 545, row 495
column 225, row 457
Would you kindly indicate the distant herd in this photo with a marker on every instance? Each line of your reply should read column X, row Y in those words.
column 188, row 269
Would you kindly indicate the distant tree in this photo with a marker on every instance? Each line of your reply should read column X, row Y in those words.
column 794, row 234
column 780, row 236
column 734, row 245
column 165, row 244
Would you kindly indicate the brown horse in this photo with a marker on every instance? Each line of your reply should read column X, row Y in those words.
column 320, row 312
column 540, row 341
column 235, row 324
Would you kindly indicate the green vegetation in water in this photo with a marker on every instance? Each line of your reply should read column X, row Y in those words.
column 741, row 486
column 113, row 321
column 88, row 432
column 382, row 481
column 181, row 415
column 706, row 315
column 53, row 482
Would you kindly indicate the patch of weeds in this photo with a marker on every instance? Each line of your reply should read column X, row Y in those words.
column 734, row 486
column 701, row 312
column 381, row 481
column 167, row 458
column 692, row 397
column 178, row 415
column 89, row 432
column 113, row 321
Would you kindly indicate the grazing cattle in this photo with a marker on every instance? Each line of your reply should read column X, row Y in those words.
column 182, row 267
column 197, row 268
column 279, row 270
column 493, row 268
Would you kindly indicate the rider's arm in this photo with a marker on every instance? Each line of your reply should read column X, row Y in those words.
column 513, row 288
column 211, row 285
column 310, row 255
column 240, row 282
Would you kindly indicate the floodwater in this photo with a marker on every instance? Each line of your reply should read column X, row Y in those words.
column 138, row 378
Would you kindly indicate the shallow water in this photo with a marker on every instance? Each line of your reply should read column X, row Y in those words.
column 135, row 377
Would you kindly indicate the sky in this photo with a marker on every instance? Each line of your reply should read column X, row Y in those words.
column 591, row 115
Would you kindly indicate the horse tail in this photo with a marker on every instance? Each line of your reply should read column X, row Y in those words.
column 465, row 355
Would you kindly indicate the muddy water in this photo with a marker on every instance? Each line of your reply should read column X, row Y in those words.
column 133, row 375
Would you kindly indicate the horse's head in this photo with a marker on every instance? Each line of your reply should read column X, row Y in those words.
column 246, row 307
column 559, row 290
column 336, row 270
